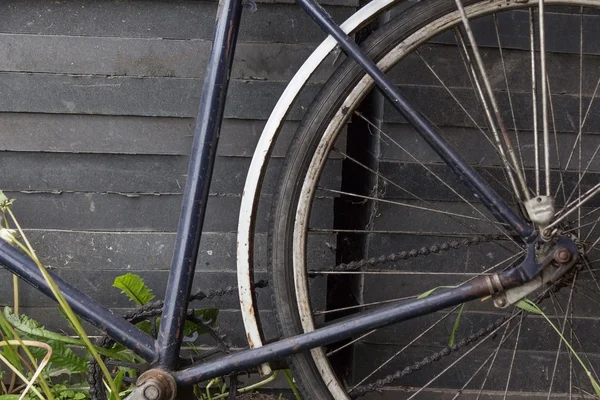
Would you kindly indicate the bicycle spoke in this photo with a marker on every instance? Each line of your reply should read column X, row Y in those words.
column 500, row 148
column 560, row 342
column 379, row 175
column 491, row 96
column 557, row 147
column 398, row 203
column 510, row 103
column 590, row 194
column 389, row 232
column 493, row 355
column 543, row 78
column 536, row 140
column 512, row 360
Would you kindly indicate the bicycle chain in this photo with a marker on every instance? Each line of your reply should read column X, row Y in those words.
column 423, row 251
column 152, row 309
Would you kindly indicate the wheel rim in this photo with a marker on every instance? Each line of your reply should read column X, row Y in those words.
column 303, row 212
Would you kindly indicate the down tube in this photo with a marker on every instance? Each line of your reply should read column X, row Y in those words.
column 206, row 137
column 87, row 308
column 492, row 201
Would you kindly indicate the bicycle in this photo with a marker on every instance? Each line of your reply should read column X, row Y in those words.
column 535, row 218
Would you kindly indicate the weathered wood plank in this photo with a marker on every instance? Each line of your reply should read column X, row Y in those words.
column 149, row 57
column 158, row 19
column 164, row 97
column 127, row 135
column 116, row 212
column 104, row 173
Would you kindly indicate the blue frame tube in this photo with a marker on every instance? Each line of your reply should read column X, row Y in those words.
column 206, row 135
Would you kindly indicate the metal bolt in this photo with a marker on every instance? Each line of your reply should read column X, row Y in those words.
column 500, row 301
column 152, row 391
column 562, row 255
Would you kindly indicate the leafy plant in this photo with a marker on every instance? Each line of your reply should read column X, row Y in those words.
column 10, row 236
column 56, row 350
column 134, row 287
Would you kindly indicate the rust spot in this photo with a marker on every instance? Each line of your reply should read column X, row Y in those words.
column 296, row 348
column 251, row 310
column 250, row 342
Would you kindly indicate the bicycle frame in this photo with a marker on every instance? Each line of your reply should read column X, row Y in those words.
column 163, row 352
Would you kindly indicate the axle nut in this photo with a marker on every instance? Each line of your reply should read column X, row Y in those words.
column 562, row 255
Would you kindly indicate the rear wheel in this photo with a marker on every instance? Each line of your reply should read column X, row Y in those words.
column 471, row 74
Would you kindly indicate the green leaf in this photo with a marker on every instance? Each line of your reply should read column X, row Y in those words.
column 118, row 380
column 66, row 317
column 430, row 291
column 529, row 306
column 209, row 315
column 135, row 288
column 456, row 325
column 10, row 397
column 31, row 327
column 62, row 358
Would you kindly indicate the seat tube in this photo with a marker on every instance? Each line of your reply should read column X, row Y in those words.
column 202, row 157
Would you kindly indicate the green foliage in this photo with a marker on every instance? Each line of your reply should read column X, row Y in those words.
column 118, row 381
column 430, row 291
column 134, row 287
column 208, row 315
column 456, row 325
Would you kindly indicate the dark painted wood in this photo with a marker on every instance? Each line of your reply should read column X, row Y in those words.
column 158, row 19
column 162, row 97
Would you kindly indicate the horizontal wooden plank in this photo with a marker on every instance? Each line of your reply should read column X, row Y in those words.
column 164, row 97
column 448, row 67
column 127, row 135
column 441, row 108
column 439, row 182
column 158, row 19
column 116, row 212
column 125, row 174
column 134, row 251
column 149, row 57
column 513, row 28
column 146, row 251
column 401, row 142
